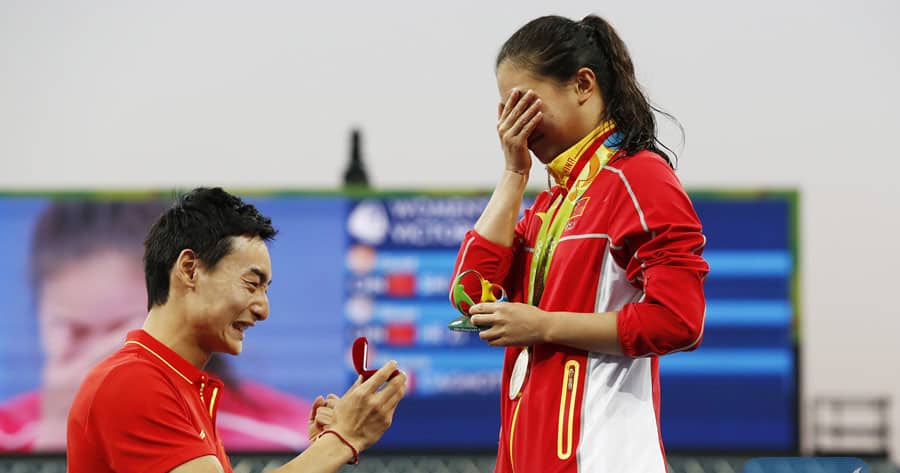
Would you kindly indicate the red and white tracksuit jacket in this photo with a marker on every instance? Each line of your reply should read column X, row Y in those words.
column 634, row 247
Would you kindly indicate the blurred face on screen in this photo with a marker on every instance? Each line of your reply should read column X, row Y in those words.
column 85, row 308
column 230, row 298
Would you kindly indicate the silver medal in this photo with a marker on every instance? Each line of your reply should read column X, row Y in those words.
column 517, row 377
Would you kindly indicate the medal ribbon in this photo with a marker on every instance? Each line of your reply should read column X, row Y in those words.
column 573, row 174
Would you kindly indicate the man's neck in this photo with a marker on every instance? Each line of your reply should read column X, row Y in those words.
column 166, row 324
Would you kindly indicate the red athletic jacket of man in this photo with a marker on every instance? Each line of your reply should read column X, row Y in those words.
column 144, row 408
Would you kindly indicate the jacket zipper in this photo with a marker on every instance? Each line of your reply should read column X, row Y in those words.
column 567, row 410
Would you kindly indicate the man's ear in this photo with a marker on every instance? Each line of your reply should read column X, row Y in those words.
column 187, row 267
column 585, row 84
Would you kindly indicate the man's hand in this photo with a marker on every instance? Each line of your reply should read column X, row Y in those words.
column 366, row 410
column 320, row 416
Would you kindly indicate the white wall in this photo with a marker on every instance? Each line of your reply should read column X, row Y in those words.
column 257, row 94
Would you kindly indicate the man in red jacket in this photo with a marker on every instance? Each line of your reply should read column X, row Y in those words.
column 150, row 407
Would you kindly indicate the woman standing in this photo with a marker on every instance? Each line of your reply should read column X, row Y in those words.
column 604, row 270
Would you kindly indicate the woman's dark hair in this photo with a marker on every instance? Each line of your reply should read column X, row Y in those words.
column 204, row 220
column 556, row 47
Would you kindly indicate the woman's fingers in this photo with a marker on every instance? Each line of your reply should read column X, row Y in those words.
column 518, row 109
column 533, row 122
column 507, row 107
column 490, row 334
column 520, row 127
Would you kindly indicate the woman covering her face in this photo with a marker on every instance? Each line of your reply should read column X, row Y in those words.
column 603, row 272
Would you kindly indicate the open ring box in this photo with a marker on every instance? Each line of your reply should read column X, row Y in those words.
column 361, row 359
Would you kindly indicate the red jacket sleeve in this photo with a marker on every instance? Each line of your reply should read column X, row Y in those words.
column 658, row 239
column 495, row 262
column 478, row 253
column 142, row 424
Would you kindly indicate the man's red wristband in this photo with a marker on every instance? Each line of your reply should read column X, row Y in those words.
column 355, row 459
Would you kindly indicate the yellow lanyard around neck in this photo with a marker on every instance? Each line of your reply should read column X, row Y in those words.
column 585, row 158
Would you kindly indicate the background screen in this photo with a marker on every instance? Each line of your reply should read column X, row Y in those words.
column 380, row 266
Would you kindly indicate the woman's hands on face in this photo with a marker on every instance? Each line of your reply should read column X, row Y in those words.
column 517, row 120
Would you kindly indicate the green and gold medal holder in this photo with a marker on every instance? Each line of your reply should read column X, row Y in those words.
column 490, row 292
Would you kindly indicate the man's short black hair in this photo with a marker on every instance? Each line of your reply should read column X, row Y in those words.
column 204, row 220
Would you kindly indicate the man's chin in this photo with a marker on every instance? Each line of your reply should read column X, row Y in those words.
column 231, row 346
column 234, row 347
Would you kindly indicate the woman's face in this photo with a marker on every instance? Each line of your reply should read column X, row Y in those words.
column 566, row 118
